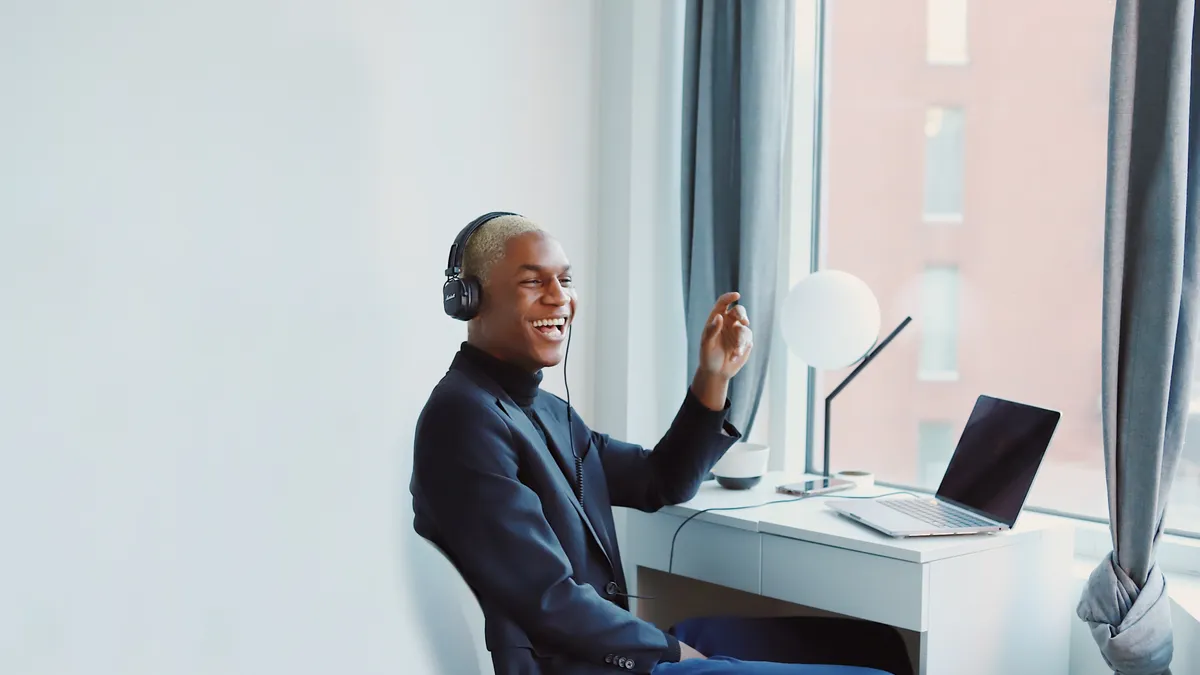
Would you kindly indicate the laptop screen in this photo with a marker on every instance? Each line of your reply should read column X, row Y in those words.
column 997, row 457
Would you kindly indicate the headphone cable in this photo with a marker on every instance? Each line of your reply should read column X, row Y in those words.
column 570, row 423
column 613, row 588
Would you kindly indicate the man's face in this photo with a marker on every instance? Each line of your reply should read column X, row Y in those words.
column 528, row 303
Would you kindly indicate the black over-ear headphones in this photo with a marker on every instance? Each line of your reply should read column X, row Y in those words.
column 461, row 295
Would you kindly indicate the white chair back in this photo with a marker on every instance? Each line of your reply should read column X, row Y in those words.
column 460, row 601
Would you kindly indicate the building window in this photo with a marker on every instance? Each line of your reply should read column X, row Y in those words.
column 935, row 446
column 944, row 164
column 946, row 32
column 939, row 323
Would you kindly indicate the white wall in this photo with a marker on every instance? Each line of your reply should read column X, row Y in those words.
column 222, row 231
column 644, row 377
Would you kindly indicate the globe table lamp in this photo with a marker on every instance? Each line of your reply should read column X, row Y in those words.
column 830, row 319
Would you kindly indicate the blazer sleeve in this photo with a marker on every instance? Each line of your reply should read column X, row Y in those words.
column 672, row 472
column 492, row 526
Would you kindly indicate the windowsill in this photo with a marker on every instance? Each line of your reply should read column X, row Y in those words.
column 1178, row 557
column 1184, row 590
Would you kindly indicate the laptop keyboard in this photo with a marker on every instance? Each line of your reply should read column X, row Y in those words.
column 934, row 512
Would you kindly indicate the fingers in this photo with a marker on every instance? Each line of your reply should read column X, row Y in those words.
column 728, row 329
column 713, row 328
column 743, row 340
column 723, row 303
column 739, row 311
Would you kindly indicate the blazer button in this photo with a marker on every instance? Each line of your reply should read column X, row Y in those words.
column 628, row 664
column 621, row 662
column 611, row 588
column 608, row 658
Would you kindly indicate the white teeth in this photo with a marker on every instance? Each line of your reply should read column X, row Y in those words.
column 560, row 321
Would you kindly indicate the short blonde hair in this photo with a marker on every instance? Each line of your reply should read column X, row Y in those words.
column 487, row 245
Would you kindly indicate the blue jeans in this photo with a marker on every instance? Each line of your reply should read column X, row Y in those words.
column 723, row 665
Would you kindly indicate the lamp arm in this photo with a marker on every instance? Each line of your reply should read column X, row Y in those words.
column 854, row 373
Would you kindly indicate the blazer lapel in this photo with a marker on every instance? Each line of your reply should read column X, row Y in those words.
column 560, row 439
column 525, row 426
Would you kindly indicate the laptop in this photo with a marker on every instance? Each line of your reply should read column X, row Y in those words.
column 985, row 486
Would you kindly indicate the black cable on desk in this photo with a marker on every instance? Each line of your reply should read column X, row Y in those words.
column 671, row 558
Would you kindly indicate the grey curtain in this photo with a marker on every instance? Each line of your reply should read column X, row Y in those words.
column 1149, row 320
column 737, row 103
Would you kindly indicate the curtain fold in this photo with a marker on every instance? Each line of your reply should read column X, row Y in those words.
column 1149, row 321
column 737, row 103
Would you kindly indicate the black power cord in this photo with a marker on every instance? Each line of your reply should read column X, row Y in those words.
column 671, row 558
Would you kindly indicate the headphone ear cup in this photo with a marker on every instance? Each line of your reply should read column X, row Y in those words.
column 452, row 297
column 460, row 298
column 472, row 294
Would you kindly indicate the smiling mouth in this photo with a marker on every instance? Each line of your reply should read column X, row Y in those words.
column 550, row 327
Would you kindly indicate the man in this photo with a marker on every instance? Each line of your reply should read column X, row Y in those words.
column 518, row 491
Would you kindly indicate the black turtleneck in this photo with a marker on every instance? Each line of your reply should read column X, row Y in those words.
column 520, row 384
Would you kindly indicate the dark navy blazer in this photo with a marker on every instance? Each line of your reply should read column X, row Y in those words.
column 500, row 502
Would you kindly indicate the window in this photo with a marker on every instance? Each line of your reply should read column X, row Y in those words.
column 1185, row 491
column 939, row 324
column 943, row 164
column 935, row 445
column 1011, row 303
column 946, row 32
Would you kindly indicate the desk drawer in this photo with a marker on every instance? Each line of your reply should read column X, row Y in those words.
column 847, row 582
column 718, row 554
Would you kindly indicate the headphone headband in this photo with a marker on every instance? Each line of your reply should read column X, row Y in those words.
column 458, row 248
column 461, row 297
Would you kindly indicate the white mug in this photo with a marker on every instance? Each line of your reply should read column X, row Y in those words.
column 742, row 466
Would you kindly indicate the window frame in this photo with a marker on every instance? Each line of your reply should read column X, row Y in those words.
column 1179, row 550
column 945, row 217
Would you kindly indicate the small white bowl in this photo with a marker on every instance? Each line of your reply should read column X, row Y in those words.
column 743, row 466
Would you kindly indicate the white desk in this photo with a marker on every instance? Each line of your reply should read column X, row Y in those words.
column 982, row 604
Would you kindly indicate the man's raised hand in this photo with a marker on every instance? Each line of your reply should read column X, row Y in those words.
column 727, row 340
